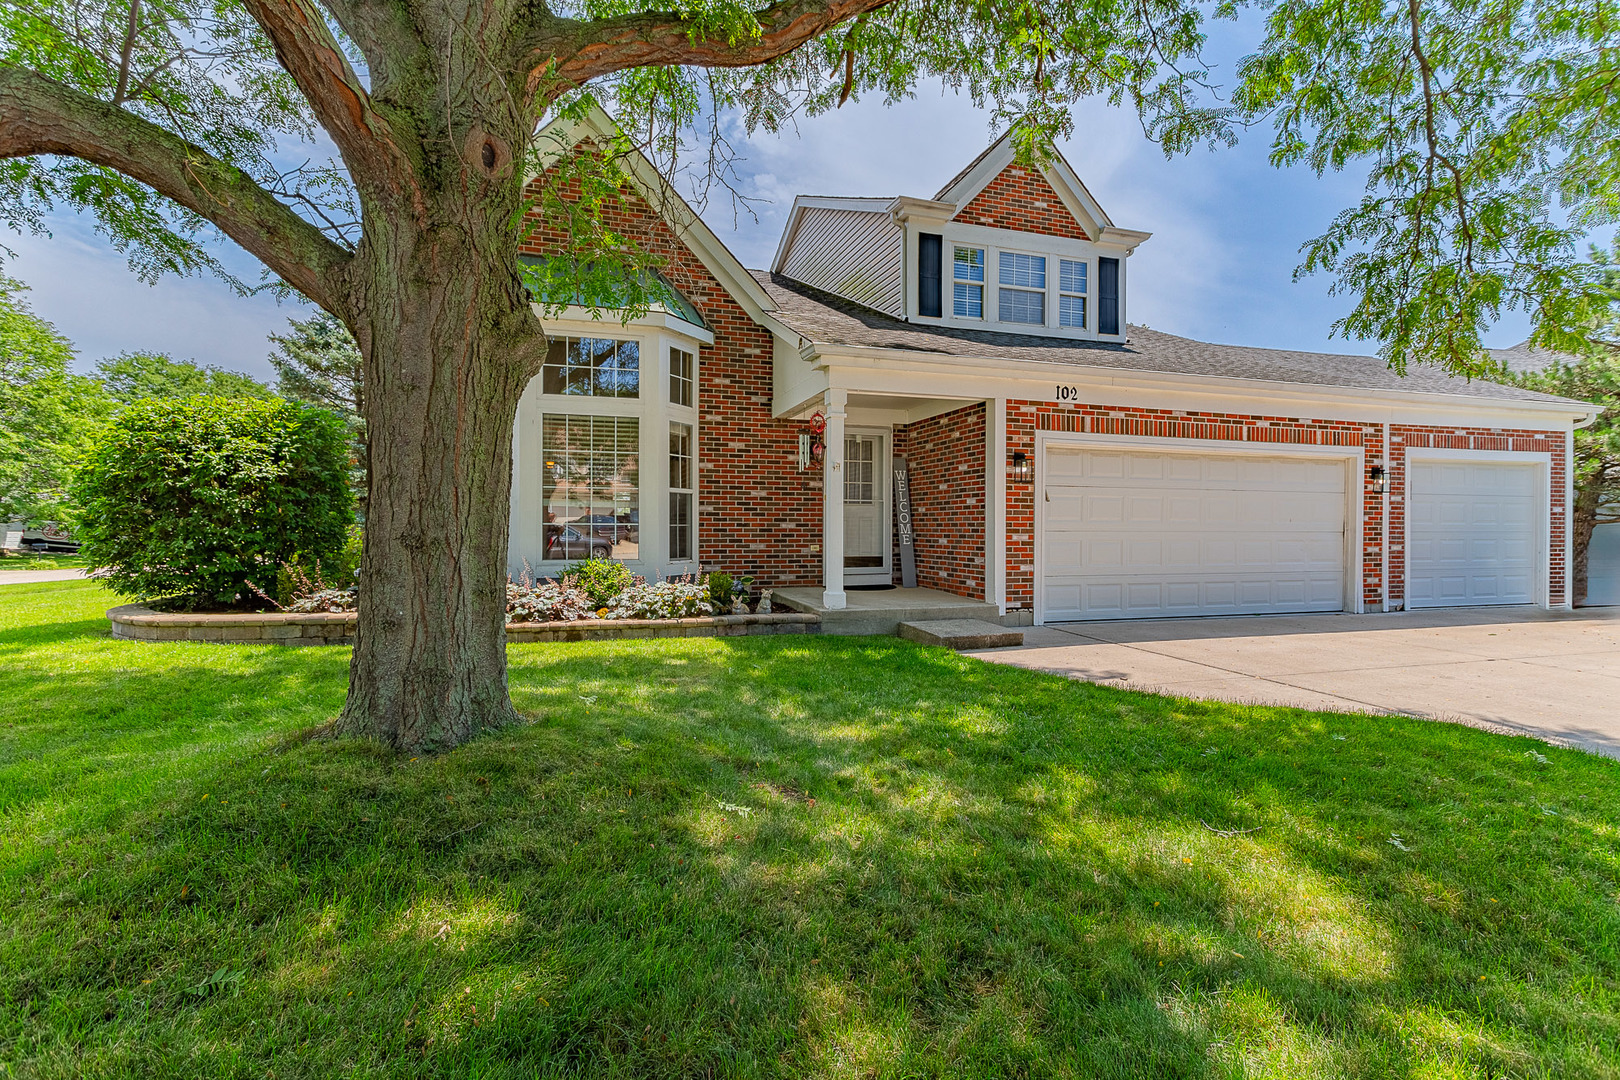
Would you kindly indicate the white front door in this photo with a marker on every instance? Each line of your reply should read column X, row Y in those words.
column 866, row 509
column 1138, row 534
column 1471, row 533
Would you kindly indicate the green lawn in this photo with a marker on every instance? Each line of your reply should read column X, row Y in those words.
column 41, row 561
column 776, row 857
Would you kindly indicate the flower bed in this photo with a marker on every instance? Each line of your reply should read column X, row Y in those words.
column 140, row 623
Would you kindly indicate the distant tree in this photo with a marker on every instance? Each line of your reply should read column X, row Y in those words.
column 1592, row 375
column 318, row 362
column 46, row 412
column 140, row 376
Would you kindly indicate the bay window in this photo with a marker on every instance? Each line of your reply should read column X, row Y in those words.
column 590, row 486
column 592, row 367
column 680, row 491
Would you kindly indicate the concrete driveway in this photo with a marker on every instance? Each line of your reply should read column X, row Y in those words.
column 1554, row 675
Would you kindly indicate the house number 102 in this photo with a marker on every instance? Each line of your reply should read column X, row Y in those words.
column 1068, row 393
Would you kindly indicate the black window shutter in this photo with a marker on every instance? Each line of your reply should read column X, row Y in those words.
column 930, row 263
column 1107, row 296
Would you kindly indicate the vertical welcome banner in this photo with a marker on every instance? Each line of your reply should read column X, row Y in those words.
column 902, row 517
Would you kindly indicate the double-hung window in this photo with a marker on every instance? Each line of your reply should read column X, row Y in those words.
column 967, row 284
column 591, row 489
column 680, row 377
column 1022, row 296
column 680, row 491
column 1071, row 293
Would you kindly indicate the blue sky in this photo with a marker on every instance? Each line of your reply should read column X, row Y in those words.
column 1227, row 228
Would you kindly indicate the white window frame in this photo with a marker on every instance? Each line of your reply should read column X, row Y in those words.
column 1044, row 292
column 982, row 284
column 1084, row 295
column 657, row 336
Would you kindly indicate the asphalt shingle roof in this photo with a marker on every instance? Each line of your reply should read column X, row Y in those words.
column 832, row 320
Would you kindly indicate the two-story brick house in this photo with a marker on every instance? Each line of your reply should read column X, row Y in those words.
column 1063, row 463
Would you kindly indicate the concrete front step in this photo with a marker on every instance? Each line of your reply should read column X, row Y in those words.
column 961, row 634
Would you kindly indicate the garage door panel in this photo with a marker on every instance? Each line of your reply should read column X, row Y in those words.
column 1472, row 533
column 1129, row 534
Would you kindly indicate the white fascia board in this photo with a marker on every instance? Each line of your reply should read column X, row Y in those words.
column 579, row 320
column 921, row 211
column 697, row 236
column 1061, row 175
column 1057, row 172
column 1125, row 238
column 898, row 371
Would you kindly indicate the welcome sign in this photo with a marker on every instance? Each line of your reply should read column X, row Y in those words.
column 902, row 517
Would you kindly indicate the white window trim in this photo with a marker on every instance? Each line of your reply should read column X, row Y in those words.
column 1047, row 322
column 655, row 412
column 983, row 284
column 1058, row 294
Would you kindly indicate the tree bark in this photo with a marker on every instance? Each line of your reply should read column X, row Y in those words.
column 448, row 343
column 1588, row 501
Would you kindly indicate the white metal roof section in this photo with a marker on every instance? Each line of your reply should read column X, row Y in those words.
column 848, row 247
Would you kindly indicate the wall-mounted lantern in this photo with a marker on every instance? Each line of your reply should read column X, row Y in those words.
column 1022, row 469
column 1379, row 479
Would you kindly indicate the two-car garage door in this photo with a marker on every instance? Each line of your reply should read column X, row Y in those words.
column 1128, row 534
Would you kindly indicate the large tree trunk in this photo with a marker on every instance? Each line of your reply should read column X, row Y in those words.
column 449, row 342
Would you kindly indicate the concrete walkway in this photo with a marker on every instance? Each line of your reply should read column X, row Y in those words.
column 1554, row 675
column 19, row 577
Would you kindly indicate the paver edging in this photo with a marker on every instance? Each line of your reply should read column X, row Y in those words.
column 137, row 622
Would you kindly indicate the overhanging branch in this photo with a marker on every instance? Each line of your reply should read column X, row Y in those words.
column 41, row 116
column 572, row 52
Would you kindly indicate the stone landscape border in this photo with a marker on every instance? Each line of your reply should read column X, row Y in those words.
column 137, row 622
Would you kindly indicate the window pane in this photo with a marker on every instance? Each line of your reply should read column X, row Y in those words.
column 591, row 486
column 1072, row 311
column 1071, row 276
column 969, row 264
column 592, row 367
column 968, row 301
column 1025, row 271
column 680, row 377
column 1018, row 306
column 860, row 470
column 680, row 456
column 680, row 525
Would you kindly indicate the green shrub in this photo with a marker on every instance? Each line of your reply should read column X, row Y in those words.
column 187, row 500
column 600, row 579
column 723, row 589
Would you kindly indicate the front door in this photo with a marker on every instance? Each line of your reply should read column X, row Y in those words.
column 866, row 509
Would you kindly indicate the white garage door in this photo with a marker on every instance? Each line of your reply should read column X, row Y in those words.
column 1130, row 535
column 1471, row 533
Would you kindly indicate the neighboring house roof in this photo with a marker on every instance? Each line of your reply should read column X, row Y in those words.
column 1525, row 358
column 831, row 320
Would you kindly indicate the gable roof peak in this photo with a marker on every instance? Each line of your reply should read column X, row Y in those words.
column 1056, row 170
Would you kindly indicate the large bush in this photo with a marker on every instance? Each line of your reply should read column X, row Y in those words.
column 189, row 499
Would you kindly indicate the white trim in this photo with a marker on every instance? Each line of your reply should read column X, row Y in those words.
column 1568, row 603
column 1541, row 593
column 1385, row 534
column 995, row 503
column 883, row 494
column 1354, row 458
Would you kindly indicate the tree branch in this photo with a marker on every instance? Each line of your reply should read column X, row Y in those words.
column 41, row 116
column 573, row 52
column 307, row 50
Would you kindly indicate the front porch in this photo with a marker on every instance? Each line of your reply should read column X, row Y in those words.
column 882, row 611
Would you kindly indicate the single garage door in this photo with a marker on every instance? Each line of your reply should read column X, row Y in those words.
column 1471, row 533
column 1129, row 535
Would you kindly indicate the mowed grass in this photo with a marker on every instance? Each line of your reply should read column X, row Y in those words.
column 776, row 857
column 41, row 561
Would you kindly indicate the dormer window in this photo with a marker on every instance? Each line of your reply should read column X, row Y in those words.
column 1022, row 296
column 1072, row 293
column 967, row 287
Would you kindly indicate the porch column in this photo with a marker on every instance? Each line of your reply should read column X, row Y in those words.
column 832, row 503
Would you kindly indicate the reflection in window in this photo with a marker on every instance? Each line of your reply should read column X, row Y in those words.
column 680, row 491
column 591, row 486
column 592, row 367
column 860, row 470
column 680, row 377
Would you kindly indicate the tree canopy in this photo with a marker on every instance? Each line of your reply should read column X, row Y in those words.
column 139, row 376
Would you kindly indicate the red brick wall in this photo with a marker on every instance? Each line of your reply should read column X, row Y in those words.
column 946, row 455
column 1021, row 199
column 1025, row 418
column 758, row 515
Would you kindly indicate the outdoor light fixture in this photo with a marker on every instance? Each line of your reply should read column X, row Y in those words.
column 1022, row 470
column 1379, row 478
